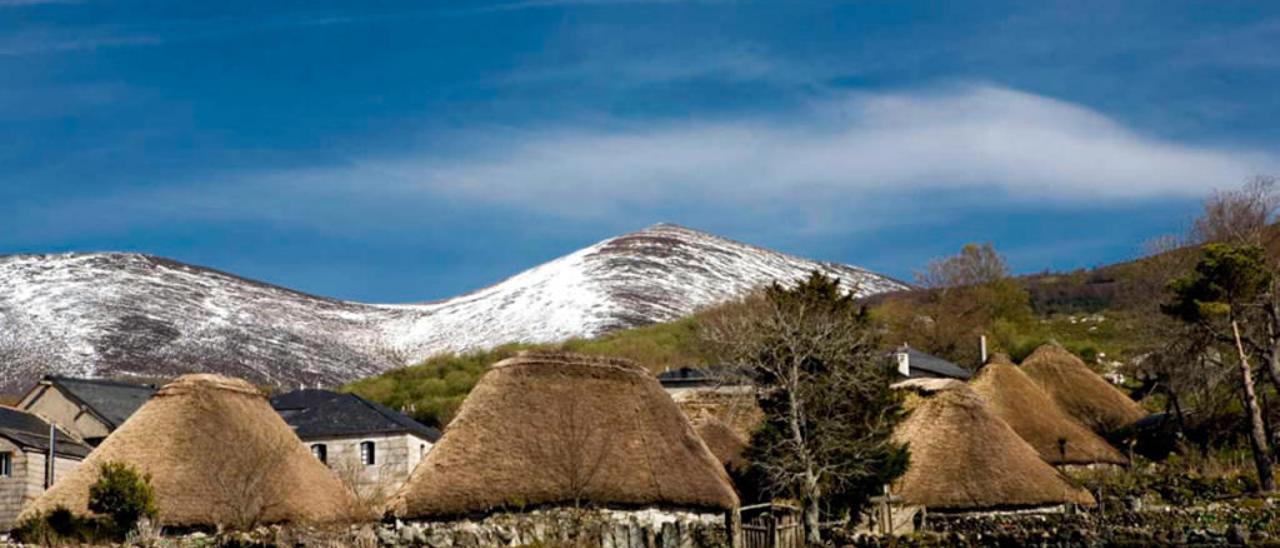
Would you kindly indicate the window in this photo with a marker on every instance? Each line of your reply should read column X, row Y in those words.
column 321, row 452
column 367, row 455
column 6, row 464
column 422, row 450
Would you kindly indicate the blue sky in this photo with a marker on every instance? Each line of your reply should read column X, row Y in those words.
column 395, row 152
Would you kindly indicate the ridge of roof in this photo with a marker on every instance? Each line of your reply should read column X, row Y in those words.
column 311, row 412
column 117, row 414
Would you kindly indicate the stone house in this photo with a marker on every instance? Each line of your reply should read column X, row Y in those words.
column 373, row 448
column 89, row 409
column 24, row 460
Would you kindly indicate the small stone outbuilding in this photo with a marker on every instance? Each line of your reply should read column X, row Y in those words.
column 24, row 460
column 372, row 447
column 89, row 409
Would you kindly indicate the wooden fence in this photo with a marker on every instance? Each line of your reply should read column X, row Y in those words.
column 771, row 526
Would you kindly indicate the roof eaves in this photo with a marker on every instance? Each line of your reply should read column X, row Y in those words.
column 68, row 392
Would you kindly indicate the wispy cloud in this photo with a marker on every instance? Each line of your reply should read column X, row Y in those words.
column 983, row 138
column 837, row 165
column 62, row 39
column 29, row 43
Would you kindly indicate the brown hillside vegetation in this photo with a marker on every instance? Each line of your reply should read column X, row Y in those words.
column 963, row 457
column 217, row 455
column 1015, row 398
column 548, row 428
column 1079, row 391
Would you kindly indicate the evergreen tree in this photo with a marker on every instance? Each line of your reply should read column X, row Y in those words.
column 823, row 384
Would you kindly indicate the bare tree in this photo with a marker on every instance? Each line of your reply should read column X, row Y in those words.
column 371, row 494
column 974, row 265
column 1239, row 216
column 970, row 291
column 823, row 386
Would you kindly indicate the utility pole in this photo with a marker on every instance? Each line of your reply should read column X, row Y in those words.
column 51, row 460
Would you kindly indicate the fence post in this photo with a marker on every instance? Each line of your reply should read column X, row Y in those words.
column 733, row 524
column 774, row 538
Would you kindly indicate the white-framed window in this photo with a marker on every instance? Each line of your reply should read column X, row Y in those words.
column 6, row 464
column 321, row 452
column 368, row 453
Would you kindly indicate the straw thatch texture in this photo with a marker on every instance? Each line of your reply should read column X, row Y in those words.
column 964, row 458
column 739, row 411
column 217, row 455
column 727, row 446
column 550, row 429
column 1079, row 391
column 1011, row 395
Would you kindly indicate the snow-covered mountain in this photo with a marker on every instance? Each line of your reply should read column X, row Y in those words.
column 113, row 314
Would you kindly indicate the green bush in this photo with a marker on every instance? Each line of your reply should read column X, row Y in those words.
column 432, row 391
column 123, row 494
column 62, row 527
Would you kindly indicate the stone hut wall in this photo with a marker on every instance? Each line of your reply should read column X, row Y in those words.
column 605, row 528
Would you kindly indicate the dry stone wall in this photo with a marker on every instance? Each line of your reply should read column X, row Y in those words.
column 604, row 528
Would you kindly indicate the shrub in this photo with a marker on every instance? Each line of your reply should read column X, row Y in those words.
column 122, row 493
column 58, row 527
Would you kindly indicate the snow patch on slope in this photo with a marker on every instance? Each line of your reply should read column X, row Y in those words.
column 112, row 314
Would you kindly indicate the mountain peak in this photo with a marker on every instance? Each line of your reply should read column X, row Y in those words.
column 130, row 314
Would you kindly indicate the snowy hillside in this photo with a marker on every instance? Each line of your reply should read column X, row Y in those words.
column 657, row 274
column 113, row 314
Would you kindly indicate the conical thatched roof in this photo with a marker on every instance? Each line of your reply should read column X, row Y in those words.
column 1079, row 391
column 553, row 428
column 727, row 446
column 964, row 458
column 217, row 454
column 1011, row 395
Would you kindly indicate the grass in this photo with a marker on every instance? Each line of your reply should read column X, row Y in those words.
column 432, row 391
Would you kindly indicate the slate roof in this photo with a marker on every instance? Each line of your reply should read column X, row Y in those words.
column 112, row 401
column 932, row 365
column 315, row 414
column 32, row 433
column 688, row 377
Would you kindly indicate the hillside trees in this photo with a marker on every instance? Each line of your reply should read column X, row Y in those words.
column 813, row 355
column 1229, row 287
column 969, row 294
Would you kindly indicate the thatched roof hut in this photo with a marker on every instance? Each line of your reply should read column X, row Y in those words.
column 1011, row 395
column 544, row 429
column 217, row 454
column 727, row 446
column 964, row 458
column 1079, row 391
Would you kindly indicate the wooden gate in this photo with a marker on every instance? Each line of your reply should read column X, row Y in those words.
column 771, row 526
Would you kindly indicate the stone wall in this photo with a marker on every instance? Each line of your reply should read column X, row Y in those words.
column 605, row 528
column 395, row 457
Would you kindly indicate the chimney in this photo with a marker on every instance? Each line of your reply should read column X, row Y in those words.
column 982, row 340
column 904, row 361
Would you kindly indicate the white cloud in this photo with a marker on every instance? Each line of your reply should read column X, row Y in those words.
column 856, row 163
column 981, row 138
